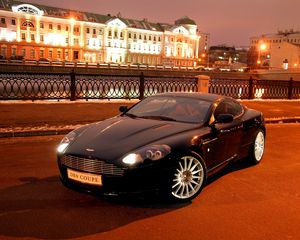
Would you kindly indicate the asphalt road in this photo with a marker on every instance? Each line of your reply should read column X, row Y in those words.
column 243, row 202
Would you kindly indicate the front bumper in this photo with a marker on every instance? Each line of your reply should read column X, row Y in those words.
column 146, row 177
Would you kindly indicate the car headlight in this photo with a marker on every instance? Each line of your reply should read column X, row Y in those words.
column 65, row 142
column 153, row 152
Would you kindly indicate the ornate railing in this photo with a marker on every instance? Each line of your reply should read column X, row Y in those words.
column 92, row 86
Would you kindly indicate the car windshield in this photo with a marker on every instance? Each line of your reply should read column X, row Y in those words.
column 181, row 109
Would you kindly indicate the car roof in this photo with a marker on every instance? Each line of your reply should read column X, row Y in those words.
column 203, row 96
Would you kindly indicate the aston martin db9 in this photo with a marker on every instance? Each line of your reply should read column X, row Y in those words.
column 170, row 142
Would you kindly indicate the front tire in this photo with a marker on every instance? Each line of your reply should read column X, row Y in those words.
column 188, row 178
column 258, row 147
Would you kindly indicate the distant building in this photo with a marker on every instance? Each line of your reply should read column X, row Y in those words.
column 34, row 31
column 275, row 51
column 224, row 56
column 203, row 48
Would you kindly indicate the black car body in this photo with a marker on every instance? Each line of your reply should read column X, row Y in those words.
column 159, row 144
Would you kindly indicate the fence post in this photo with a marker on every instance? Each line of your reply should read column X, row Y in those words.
column 202, row 83
column 290, row 92
column 73, row 85
column 142, row 86
column 251, row 87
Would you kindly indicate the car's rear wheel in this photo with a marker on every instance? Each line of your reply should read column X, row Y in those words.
column 258, row 148
column 188, row 179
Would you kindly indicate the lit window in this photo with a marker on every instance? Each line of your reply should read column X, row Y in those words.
column 59, row 54
column 23, row 52
column 41, row 25
column 42, row 38
column 23, row 36
column 42, row 53
column 50, row 53
column 32, row 37
column 50, row 26
column 32, row 53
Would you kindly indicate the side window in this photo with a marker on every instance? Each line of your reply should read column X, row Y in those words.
column 228, row 106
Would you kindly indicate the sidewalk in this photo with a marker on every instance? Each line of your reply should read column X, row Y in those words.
column 26, row 118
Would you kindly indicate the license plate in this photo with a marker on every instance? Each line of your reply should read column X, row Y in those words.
column 87, row 178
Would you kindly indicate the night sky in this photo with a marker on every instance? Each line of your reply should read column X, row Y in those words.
column 230, row 22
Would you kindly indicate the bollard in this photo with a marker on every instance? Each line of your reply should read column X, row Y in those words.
column 202, row 83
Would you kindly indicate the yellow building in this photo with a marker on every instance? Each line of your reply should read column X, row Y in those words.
column 276, row 51
column 36, row 31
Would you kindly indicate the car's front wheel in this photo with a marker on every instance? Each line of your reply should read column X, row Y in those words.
column 188, row 179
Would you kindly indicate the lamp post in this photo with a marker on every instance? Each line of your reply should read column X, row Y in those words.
column 261, row 48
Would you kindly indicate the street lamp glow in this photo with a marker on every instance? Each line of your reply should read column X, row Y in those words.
column 263, row 46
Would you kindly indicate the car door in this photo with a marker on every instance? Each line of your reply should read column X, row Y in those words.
column 223, row 143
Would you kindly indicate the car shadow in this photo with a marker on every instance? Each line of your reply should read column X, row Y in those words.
column 44, row 208
column 231, row 167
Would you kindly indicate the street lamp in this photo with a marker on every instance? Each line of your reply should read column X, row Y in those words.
column 261, row 48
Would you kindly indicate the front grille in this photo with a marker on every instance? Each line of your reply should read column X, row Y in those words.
column 91, row 165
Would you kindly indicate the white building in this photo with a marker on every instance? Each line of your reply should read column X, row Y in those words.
column 34, row 31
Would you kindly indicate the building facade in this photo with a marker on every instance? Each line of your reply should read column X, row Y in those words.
column 275, row 51
column 35, row 31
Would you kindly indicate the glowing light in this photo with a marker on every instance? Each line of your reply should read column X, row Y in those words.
column 55, row 39
column 72, row 20
column 263, row 47
column 7, row 35
column 203, row 55
column 258, row 62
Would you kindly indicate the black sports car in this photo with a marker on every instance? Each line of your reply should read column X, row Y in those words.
column 171, row 142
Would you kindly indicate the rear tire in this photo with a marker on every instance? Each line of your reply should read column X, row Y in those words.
column 258, row 147
column 188, row 178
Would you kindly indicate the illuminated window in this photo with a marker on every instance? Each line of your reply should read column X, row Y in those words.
column 23, row 36
column 3, row 51
column 41, row 25
column 32, row 37
column 76, row 41
column 50, row 53
column 42, row 38
column 66, row 55
column 13, row 22
column 59, row 54
column 3, row 20
column 42, row 53
column 23, row 52
column 50, row 26
column 32, row 54
column 67, row 40
column 101, row 31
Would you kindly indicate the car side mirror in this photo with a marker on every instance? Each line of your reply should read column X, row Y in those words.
column 123, row 109
column 224, row 118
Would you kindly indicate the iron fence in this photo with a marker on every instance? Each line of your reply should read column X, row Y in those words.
column 32, row 86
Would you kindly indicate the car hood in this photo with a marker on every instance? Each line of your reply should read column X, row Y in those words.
column 114, row 138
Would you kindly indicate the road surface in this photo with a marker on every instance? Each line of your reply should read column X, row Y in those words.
column 243, row 202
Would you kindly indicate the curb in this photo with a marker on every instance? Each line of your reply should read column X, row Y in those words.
column 47, row 132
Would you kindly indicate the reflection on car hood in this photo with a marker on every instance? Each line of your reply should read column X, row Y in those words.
column 113, row 138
